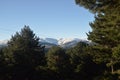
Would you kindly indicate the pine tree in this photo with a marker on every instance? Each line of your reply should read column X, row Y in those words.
column 96, row 6
column 105, row 29
column 23, row 55
column 24, row 48
column 57, row 59
column 80, row 60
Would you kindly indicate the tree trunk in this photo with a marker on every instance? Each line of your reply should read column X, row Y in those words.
column 112, row 69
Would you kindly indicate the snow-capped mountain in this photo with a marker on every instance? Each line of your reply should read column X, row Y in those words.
column 4, row 42
column 63, row 42
column 49, row 42
column 60, row 41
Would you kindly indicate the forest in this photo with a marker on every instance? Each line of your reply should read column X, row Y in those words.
column 24, row 58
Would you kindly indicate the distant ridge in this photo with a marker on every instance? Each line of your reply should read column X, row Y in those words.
column 49, row 42
column 3, row 42
column 63, row 42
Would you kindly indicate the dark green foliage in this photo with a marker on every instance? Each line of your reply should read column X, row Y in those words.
column 26, row 61
column 1, row 63
column 105, row 33
column 25, row 48
column 1, row 56
column 105, row 29
column 78, row 53
column 107, row 76
column 99, row 5
column 22, row 55
column 56, row 58
column 58, row 61
column 81, row 61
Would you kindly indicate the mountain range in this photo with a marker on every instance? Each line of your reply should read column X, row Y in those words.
column 63, row 42
column 49, row 42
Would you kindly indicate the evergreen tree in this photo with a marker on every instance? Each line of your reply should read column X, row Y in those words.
column 23, row 54
column 1, row 64
column 57, row 59
column 80, row 60
column 25, row 48
column 97, row 6
column 105, row 29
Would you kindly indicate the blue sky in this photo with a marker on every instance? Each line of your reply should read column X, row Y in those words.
column 47, row 18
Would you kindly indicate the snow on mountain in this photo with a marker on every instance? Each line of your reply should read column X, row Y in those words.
column 71, row 42
column 60, row 41
column 4, row 42
column 49, row 40
column 63, row 42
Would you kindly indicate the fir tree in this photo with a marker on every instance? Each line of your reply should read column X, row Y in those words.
column 24, row 48
column 105, row 29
